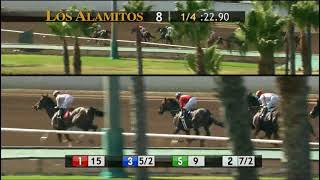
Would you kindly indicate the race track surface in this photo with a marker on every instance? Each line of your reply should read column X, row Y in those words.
column 17, row 112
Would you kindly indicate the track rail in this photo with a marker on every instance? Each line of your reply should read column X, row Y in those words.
column 211, row 138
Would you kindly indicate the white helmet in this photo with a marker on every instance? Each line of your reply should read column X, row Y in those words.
column 178, row 94
column 55, row 92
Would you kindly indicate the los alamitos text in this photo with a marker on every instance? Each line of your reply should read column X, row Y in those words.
column 152, row 16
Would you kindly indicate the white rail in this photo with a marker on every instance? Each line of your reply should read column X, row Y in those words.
column 100, row 39
column 212, row 138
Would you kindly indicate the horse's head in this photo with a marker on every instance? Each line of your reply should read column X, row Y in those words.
column 45, row 101
column 169, row 104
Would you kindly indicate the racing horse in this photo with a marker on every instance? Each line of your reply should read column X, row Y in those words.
column 269, row 126
column 315, row 111
column 80, row 117
column 96, row 31
column 200, row 118
column 146, row 35
column 165, row 34
column 267, row 123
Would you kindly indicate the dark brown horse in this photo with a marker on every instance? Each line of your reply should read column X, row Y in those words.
column 81, row 118
column 267, row 123
column 146, row 35
column 200, row 118
column 315, row 111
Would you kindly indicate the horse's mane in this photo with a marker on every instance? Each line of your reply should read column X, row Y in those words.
column 50, row 100
column 172, row 100
column 252, row 100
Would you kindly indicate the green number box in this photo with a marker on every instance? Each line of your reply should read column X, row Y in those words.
column 180, row 161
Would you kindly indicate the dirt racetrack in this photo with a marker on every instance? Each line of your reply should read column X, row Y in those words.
column 17, row 113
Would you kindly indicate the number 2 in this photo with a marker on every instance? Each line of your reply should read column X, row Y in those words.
column 230, row 161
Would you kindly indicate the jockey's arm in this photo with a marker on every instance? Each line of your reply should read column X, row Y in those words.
column 59, row 101
column 262, row 101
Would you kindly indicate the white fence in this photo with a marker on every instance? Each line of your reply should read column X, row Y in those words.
column 211, row 138
column 101, row 39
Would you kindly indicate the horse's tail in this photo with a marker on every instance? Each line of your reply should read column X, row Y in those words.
column 216, row 122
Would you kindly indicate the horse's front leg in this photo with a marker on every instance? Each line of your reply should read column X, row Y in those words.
column 256, row 132
column 188, row 140
column 59, row 138
column 176, row 131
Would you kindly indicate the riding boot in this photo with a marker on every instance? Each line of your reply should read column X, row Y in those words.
column 60, row 113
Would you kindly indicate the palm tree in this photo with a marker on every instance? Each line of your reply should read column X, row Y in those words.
column 138, row 109
column 212, row 60
column 293, row 104
column 306, row 14
column 290, row 35
column 262, row 30
column 196, row 32
column 138, row 6
column 233, row 95
column 61, row 30
column 76, row 30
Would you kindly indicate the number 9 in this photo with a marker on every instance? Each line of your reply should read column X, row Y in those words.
column 195, row 159
column 159, row 16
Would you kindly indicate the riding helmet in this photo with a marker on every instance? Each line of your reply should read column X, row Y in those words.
column 178, row 94
column 259, row 93
column 55, row 92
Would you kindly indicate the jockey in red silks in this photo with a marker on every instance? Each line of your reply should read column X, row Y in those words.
column 187, row 103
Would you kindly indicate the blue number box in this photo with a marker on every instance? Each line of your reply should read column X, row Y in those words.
column 130, row 161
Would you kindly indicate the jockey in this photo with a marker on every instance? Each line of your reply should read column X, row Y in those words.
column 187, row 103
column 169, row 31
column 64, row 102
column 268, row 100
column 142, row 29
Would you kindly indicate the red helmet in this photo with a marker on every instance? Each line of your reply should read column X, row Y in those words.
column 259, row 93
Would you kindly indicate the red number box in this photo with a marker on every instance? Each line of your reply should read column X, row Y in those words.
column 79, row 161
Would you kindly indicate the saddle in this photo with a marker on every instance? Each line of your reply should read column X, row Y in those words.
column 186, row 120
column 266, row 115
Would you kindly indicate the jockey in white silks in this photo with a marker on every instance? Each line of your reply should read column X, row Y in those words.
column 64, row 102
column 268, row 100
column 169, row 31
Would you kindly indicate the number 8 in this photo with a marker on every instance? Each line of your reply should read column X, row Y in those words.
column 159, row 17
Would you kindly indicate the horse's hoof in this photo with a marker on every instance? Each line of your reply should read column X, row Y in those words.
column 43, row 139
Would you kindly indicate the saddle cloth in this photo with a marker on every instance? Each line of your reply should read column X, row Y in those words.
column 68, row 114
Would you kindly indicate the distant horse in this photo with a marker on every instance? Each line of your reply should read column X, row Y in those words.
column 315, row 111
column 200, row 118
column 165, row 34
column 215, row 39
column 80, row 117
column 99, row 33
column 145, row 35
column 267, row 123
